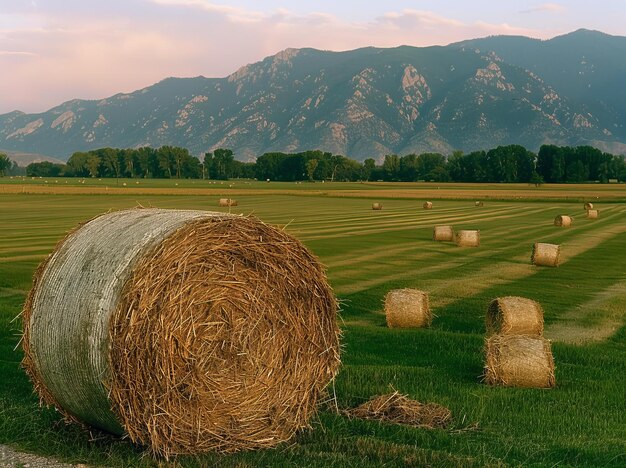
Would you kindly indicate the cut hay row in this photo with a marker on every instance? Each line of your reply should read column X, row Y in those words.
column 519, row 361
column 407, row 308
column 512, row 315
column 563, row 221
column 544, row 254
column 207, row 331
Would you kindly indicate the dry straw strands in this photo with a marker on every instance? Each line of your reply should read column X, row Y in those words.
column 519, row 361
column 545, row 254
column 443, row 233
column 227, row 202
column 428, row 205
column 206, row 331
column 563, row 221
column 400, row 409
column 592, row 214
column 406, row 308
column 588, row 206
column 468, row 238
column 512, row 315
column 377, row 206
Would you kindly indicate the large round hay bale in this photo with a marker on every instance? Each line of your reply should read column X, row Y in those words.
column 443, row 233
column 195, row 331
column 588, row 206
column 478, row 203
column 593, row 214
column 519, row 361
column 513, row 315
column 227, row 202
column 407, row 308
column 545, row 254
column 428, row 205
column 563, row 221
column 377, row 206
column 468, row 238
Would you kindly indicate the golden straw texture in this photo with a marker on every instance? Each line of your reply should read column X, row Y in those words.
column 468, row 238
column 400, row 409
column 545, row 254
column 406, row 308
column 563, row 221
column 443, row 233
column 512, row 315
column 519, row 361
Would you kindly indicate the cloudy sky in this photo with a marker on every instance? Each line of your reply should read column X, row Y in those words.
column 55, row 50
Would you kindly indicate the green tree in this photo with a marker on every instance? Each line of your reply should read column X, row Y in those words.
column 311, row 165
column 5, row 164
column 223, row 163
column 369, row 165
column 391, row 167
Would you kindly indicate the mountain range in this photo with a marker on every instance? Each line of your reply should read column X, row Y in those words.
column 476, row 94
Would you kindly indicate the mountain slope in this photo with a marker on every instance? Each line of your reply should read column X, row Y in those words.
column 361, row 103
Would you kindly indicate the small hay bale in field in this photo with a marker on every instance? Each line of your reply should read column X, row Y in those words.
column 593, row 214
column 428, row 205
column 443, row 233
column 407, row 308
column 588, row 206
column 400, row 409
column 228, row 202
column 478, row 203
column 377, row 206
column 545, row 254
column 199, row 331
column 468, row 238
column 563, row 221
column 512, row 315
column 519, row 361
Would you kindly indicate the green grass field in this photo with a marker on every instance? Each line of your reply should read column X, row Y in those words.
column 367, row 253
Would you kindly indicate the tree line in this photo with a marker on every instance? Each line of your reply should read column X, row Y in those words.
column 511, row 163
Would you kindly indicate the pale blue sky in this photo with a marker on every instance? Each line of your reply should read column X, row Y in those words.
column 55, row 50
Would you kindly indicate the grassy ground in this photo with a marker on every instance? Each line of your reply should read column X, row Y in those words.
column 367, row 253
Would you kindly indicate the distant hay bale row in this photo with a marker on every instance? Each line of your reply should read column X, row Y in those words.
column 199, row 331
column 468, row 238
column 513, row 315
column 563, row 221
column 428, row 205
column 227, row 202
column 443, row 233
column 545, row 254
column 407, row 308
column 519, row 361
column 593, row 214
column 377, row 206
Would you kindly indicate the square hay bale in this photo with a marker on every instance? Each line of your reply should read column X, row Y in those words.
column 407, row 308
column 443, row 233
column 545, row 254
column 519, row 361
column 468, row 238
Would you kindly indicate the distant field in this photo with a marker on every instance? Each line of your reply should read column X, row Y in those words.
column 367, row 253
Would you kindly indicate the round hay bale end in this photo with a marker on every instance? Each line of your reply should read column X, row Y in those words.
column 227, row 202
column 478, row 203
column 468, row 238
column 377, row 206
column 512, row 315
column 407, row 308
column 443, row 233
column 563, row 221
column 199, row 331
column 545, row 254
column 593, row 214
column 588, row 206
column 428, row 205
column 519, row 361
